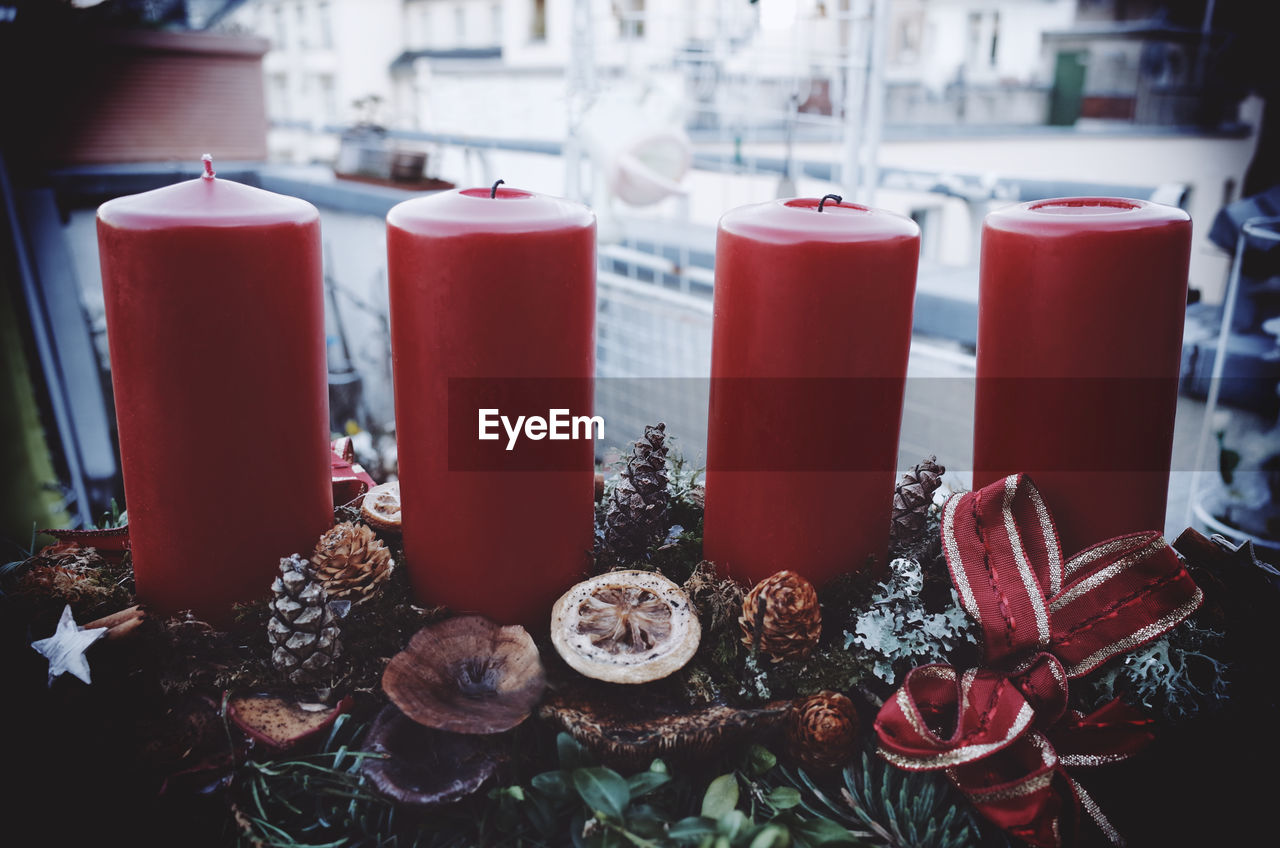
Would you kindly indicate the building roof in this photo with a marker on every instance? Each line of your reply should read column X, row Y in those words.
column 407, row 59
column 1149, row 30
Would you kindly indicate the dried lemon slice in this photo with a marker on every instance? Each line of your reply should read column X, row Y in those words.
column 625, row 627
column 381, row 507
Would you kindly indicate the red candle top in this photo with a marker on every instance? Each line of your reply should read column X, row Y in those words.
column 1065, row 282
column 205, row 202
column 794, row 278
column 810, row 219
column 492, row 210
column 1066, row 216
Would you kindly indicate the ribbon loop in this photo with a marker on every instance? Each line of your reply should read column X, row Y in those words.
column 1003, row 732
column 940, row 719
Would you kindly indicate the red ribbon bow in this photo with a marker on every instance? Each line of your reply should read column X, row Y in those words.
column 350, row 480
column 1003, row 732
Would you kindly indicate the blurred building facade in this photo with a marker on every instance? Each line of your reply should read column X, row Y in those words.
column 431, row 65
column 768, row 94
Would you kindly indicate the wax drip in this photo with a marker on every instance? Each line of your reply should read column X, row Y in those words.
column 493, row 192
column 837, row 198
column 207, row 159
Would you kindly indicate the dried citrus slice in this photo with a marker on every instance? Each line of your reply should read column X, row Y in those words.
column 381, row 507
column 625, row 627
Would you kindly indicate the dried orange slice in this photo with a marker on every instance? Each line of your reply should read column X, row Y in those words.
column 381, row 507
column 625, row 627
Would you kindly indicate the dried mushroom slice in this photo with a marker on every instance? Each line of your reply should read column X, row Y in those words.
column 466, row 675
column 625, row 627
column 380, row 508
column 425, row 767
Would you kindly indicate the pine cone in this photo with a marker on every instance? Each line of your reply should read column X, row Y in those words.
column 822, row 731
column 351, row 562
column 303, row 630
column 912, row 499
column 637, row 510
column 781, row 617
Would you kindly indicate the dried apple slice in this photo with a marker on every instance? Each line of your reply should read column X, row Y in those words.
column 625, row 627
column 381, row 507
column 282, row 723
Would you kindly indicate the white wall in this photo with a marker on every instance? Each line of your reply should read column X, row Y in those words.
column 946, row 41
column 325, row 54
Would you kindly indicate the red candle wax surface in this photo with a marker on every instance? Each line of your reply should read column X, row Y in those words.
column 1080, row 316
column 492, row 305
column 215, row 317
column 809, row 351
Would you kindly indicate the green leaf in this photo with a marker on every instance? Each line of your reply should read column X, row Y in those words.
column 645, row 782
column 691, row 828
column 733, row 823
column 572, row 753
column 825, row 832
column 721, row 797
column 783, row 798
column 773, row 836
column 760, row 760
column 603, row 789
column 644, row 820
column 514, row 792
column 553, row 784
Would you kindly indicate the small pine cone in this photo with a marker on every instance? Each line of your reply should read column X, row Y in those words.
column 350, row 561
column 303, row 631
column 912, row 499
column 822, row 731
column 781, row 617
column 637, row 510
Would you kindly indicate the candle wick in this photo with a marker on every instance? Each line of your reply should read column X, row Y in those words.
column 837, row 198
column 208, row 166
column 494, row 191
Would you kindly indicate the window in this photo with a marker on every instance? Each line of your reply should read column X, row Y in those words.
column 420, row 34
column 459, row 25
column 278, row 96
column 495, row 22
column 630, row 19
column 973, row 46
column 328, row 99
column 326, row 26
column 538, row 21
column 281, row 31
column 303, row 39
column 905, row 46
column 995, row 36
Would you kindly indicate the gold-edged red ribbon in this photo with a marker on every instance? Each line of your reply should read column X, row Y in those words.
column 1003, row 732
column 350, row 480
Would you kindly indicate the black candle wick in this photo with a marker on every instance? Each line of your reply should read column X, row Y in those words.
column 494, row 191
column 837, row 198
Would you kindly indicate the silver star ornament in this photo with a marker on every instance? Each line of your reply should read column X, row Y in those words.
column 65, row 648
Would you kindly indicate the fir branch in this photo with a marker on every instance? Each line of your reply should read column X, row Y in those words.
column 890, row 807
column 315, row 800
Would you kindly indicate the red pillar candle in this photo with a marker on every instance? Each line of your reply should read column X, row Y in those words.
column 215, row 317
column 492, row 297
column 1080, row 316
column 812, row 328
